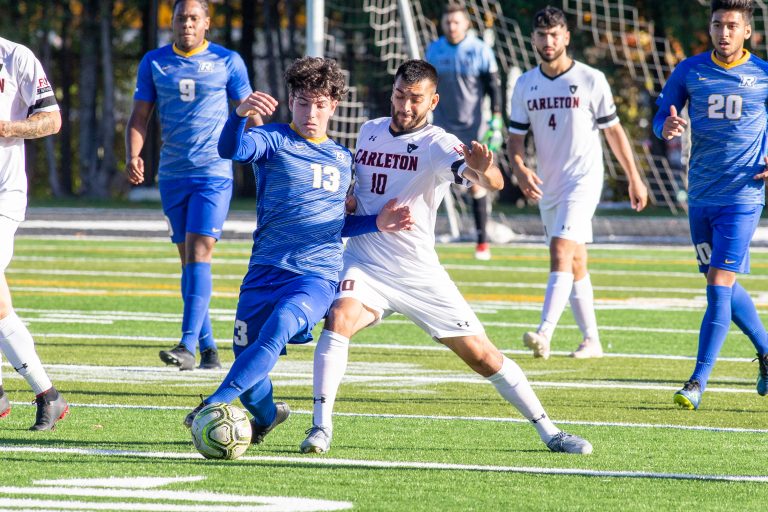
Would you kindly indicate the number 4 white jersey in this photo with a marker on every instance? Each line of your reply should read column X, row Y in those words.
column 415, row 167
column 565, row 113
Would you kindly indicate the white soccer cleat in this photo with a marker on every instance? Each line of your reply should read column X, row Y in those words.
column 538, row 343
column 318, row 440
column 483, row 252
column 563, row 442
column 588, row 349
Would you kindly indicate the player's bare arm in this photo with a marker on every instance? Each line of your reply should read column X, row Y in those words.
column 393, row 218
column 674, row 125
column 619, row 144
column 527, row 180
column 135, row 134
column 481, row 169
column 257, row 103
column 39, row 124
column 763, row 175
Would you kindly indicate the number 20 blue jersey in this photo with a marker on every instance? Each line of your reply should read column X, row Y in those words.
column 727, row 109
column 191, row 92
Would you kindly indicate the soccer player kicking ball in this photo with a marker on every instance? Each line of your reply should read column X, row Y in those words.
column 302, row 180
column 566, row 104
column 726, row 91
column 28, row 110
column 402, row 156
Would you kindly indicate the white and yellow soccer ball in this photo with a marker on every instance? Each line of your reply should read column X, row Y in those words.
column 221, row 431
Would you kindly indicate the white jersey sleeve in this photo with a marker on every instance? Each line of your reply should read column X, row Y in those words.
column 602, row 103
column 519, row 122
column 447, row 159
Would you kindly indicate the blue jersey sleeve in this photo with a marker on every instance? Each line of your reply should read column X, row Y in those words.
column 145, row 86
column 674, row 93
column 249, row 146
column 355, row 225
column 238, row 87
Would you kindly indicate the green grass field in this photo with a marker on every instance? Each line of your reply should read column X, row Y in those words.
column 416, row 430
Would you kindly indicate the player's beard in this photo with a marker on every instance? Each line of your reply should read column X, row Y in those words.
column 554, row 56
column 415, row 122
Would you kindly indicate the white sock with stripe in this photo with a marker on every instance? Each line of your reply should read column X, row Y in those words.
column 18, row 347
column 330, row 364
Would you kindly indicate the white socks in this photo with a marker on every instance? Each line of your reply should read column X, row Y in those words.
column 583, row 307
column 559, row 287
column 512, row 384
column 17, row 345
column 330, row 364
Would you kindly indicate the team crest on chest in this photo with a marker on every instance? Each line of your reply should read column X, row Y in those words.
column 205, row 67
column 573, row 88
column 747, row 81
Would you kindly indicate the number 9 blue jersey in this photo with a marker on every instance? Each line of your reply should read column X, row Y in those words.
column 191, row 92
column 727, row 109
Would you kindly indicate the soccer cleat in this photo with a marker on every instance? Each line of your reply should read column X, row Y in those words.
column 690, row 396
column 260, row 431
column 762, row 375
column 178, row 356
column 483, row 252
column 588, row 349
column 49, row 411
column 563, row 442
column 209, row 359
column 318, row 440
column 538, row 342
column 191, row 416
column 5, row 406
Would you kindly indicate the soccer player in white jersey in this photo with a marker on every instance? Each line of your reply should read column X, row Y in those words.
column 404, row 157
column 566, row 104
column 28, row 110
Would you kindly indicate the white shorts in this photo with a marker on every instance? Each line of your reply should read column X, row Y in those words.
column 8, row 229
column 571, row 220
column 435, row 304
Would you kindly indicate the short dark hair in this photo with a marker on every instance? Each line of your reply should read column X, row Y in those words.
column 747, row 7
column 316, row 75
column 415, row 70
column 550, row 17
column 203, row 4
column 453, row 7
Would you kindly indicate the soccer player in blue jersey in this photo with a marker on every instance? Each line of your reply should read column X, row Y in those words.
column 468, row 71
column 302, row 179
column 191, row 82
column 726, row 91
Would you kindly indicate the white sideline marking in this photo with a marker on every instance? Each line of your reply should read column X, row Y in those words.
column 318, row 461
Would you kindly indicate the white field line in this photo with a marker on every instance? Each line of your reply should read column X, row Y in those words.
column 383, row 464
column 108, row 273
column 394, row 346
column 421, row 417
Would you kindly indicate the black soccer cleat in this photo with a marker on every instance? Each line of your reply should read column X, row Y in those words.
column 209, row 359
column 51, row 407
column 762, row 375
column 178, row 356
column 261, row 431
column 191, row 416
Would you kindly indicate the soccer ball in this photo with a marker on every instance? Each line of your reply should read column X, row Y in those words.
column 221, row 431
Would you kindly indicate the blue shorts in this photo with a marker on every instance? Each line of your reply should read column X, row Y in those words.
column 195, row 205
column 266, row 288
column 721, row 235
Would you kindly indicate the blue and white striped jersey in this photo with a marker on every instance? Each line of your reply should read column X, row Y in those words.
column 191, row 91
column 301, row 185
column 727, row 108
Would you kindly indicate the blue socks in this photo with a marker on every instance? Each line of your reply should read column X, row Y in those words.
column 714, row 329
column 746, row 318
column 196, row 291
column 249, row 376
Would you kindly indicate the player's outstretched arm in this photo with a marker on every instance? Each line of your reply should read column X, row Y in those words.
column 135, row 134
column 619, row 144
column 257, row 104
column 393, row 218
column 527, row 180
column 480, row 167
column 39, row 124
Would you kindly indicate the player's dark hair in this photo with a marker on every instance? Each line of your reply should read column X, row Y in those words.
column 747, row 7
column 550, row 17
column 414, row 71
column 203, row 4
column 453, row 7
column 316, row 75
